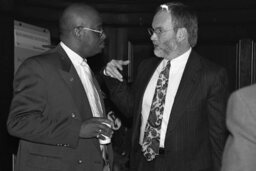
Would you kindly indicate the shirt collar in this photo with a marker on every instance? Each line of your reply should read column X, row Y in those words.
column 180, row 60
column 73, row 56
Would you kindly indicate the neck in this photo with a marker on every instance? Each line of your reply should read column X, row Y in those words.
column 178, row 52
column 74, row 47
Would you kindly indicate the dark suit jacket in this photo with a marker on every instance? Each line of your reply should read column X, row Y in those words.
column 196, row 131
column 240, row 149
column 46, row 113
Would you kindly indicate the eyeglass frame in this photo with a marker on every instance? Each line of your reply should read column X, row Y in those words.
column 100, row 32
column 151, row 31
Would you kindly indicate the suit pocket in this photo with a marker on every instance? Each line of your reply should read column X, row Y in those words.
column 43, row 162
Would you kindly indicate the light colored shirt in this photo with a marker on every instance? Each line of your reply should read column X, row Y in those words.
column 176, row 71
column 84, row 73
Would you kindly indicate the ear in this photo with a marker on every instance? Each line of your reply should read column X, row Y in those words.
column 181, row 34
column 77, row 33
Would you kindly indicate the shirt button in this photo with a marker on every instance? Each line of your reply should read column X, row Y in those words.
column 73, row 115
column 79, row 161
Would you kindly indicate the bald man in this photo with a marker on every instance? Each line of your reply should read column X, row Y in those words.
column 57, row 109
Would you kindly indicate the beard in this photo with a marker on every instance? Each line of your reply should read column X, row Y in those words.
column 159, row 52
column 165, row 49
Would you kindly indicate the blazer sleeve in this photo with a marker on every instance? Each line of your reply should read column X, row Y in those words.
column 216, row 108
column 240, row 149
column 120, row 94
column 29, row 118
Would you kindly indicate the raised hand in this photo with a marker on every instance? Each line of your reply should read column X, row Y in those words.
column 113, row 67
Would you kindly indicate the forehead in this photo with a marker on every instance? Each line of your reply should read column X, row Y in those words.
column 95, row 22
column 162, row 19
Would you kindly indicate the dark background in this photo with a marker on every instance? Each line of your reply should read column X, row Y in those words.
column 222, row 23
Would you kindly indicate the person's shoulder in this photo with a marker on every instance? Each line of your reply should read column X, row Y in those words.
column 245, row 95
column 205, row 61
column 43, row 58
column 207, row 65
column 46, row 61
column 248, row 91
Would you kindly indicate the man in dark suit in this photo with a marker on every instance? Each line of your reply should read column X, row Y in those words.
column 57, row 109
column 240, row 149
column 178, row 100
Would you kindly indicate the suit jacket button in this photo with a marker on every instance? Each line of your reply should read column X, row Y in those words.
column 79, row 161
column 73, row 115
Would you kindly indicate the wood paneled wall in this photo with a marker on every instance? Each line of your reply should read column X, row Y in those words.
column 222, row 23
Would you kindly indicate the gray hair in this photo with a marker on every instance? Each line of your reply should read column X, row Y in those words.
column 183, row 17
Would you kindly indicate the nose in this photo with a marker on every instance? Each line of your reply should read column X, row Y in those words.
column 153, row 36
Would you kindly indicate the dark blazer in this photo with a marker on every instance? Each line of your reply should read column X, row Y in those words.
column 196, row 132
column 47, row 110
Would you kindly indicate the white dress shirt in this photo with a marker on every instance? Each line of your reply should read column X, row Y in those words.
column 84, row 73
column 176, row 71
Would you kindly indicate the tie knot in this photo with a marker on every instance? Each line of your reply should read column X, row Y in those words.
column 166, row 69
column 85, row 66
column 84, row 63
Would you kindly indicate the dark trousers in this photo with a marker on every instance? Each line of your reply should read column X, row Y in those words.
column 160, row 163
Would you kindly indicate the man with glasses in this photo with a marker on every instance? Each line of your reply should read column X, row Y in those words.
column 57, row 110
column 178, row 99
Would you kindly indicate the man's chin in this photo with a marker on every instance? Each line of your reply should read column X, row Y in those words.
column 101, row 46
column 95, row 52
column 158, row 53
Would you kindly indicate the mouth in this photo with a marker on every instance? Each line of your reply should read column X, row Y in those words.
column 156, row 46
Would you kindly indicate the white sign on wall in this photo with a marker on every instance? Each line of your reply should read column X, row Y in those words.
column 29, row 40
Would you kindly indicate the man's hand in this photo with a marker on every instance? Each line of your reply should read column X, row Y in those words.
column 113, row 67
column 95, row 127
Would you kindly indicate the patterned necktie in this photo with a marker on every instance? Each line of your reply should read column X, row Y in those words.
column 151, row 140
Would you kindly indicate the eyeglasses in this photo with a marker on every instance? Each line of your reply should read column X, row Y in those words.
column 100, row 32
column 157, row 31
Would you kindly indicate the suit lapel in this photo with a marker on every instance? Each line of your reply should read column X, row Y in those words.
column 188, row 84
column 70, row 76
